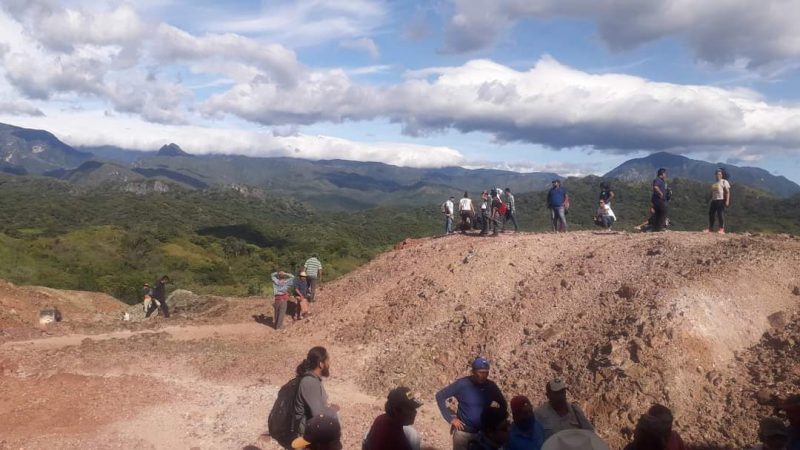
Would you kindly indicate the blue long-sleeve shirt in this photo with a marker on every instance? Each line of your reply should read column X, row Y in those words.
column 472, row 400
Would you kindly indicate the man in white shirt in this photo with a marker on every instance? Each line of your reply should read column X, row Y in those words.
column 604, row 217
column 467, row 211
column 720, row 200
column 447, row 210
column 557, row 414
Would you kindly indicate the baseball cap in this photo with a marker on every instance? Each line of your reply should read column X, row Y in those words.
column 772, row 426
column 517, row 403
column 480, row 363
column 556, row 384
column 321, row 429
column 574, row 440
column 402, row 396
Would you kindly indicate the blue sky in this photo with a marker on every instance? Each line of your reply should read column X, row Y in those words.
column 571, row 86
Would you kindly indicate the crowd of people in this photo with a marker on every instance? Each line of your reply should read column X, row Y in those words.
column 302, row 418
column 497, row 207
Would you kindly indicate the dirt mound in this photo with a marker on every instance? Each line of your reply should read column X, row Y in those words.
column 628, row 320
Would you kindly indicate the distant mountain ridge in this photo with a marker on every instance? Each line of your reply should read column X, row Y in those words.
column 644, row 169
column 26, row 151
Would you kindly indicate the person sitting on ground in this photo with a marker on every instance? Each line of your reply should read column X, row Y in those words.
column 557, row 414
column 281, row 282
column 311, row 399
column 575, row 440
column 661, row 412
column 301, row 296
column 494, row 430
column 526, row 432
column 792, row 408
column 387, row 431
column 650, row 434
column 772, row 433
column 467, row 212
column 604, row 217
column 474, row 394
column 323, row 432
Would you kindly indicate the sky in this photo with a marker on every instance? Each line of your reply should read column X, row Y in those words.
column 568, row 86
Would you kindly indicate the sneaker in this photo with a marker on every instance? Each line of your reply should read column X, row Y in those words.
column 706, row 231
column 721, row 231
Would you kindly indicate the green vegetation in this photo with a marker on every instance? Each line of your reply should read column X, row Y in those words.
column 213, row 241
column 222, row 242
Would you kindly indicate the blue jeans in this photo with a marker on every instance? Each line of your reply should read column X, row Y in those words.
column 448, row 224
column 557, row 215
column 604, row 221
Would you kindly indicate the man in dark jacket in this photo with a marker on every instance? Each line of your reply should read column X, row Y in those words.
column 387, row 431
column 159, row 298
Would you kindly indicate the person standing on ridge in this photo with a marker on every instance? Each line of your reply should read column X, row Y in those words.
column 474, row 393
column 313, row 269
column 159, row 295
column 484, row 213
column 281, row 283
column 557, row 414
column 447, row 209
column 467, row 212
column 511, row 211
column 660, row 200
column 558, row 203
column 498, row 210
column 301, row 296
column 720, row 200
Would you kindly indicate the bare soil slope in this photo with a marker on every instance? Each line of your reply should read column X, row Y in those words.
column 706, row 324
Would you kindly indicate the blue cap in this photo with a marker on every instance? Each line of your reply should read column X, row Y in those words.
column 480, row 363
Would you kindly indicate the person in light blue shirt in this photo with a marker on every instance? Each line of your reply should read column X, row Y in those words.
column 526, row 432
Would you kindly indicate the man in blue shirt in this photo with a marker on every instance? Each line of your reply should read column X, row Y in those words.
column 558, row 203
column 659, row 200
column 526, row 432
column 474, row 394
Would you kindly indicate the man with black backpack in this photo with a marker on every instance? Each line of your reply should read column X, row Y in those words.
column 302, row 398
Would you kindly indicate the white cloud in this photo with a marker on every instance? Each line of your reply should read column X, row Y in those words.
column 22, row 108
column 307, row 22
column 92, row 128
column 363, row 44
column 760, row 32
column 550, row 104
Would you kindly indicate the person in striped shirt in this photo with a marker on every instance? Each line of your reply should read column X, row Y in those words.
column 313, row 270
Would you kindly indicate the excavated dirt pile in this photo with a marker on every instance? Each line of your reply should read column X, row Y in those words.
column 705, row 324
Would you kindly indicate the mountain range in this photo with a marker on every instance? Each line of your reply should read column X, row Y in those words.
column 324, row 184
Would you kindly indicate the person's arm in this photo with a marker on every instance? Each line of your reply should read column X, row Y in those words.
column 611, row 196
column 727, row 195
column 513, row 205
column 499, row 398
column 275, row 278
column 441, row 401
column 582, row 420
column 566, row 201
column 657, row 190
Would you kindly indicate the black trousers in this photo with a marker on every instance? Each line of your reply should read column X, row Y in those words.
column 154, row 306
column 717, row 209
column 660, row 215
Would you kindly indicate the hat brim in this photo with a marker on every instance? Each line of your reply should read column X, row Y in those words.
column 300, row 443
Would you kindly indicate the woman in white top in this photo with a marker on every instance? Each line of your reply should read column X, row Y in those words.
column 720, row 199
column 604, row 217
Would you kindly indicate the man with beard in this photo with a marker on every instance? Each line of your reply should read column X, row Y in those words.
column 526, row 432
column 311, row 399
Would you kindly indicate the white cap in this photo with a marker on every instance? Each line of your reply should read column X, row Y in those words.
column 575, row 440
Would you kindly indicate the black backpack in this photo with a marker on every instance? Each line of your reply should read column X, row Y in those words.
column 281, row 424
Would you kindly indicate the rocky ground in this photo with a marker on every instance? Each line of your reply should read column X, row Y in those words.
column 705, row 324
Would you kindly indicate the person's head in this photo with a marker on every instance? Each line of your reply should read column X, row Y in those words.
column 602, row 203
column 322, row 432
column 772, row 432
column 718, row 174
column 480, row 370
column 556, row 392
column 401, row 404
column 164, row 279
column 662, row 413
column 452, row 198
column 574, row 439
column 495, row 425
column 650, row 433
column 508, row 190
column 317, row 361
column 662, row 173
column 484, row 195
column 556, row 183
column 466, row 194
column 522, row 412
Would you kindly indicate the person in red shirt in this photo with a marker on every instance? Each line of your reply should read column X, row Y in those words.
column 387, row 432
column 664, row 414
